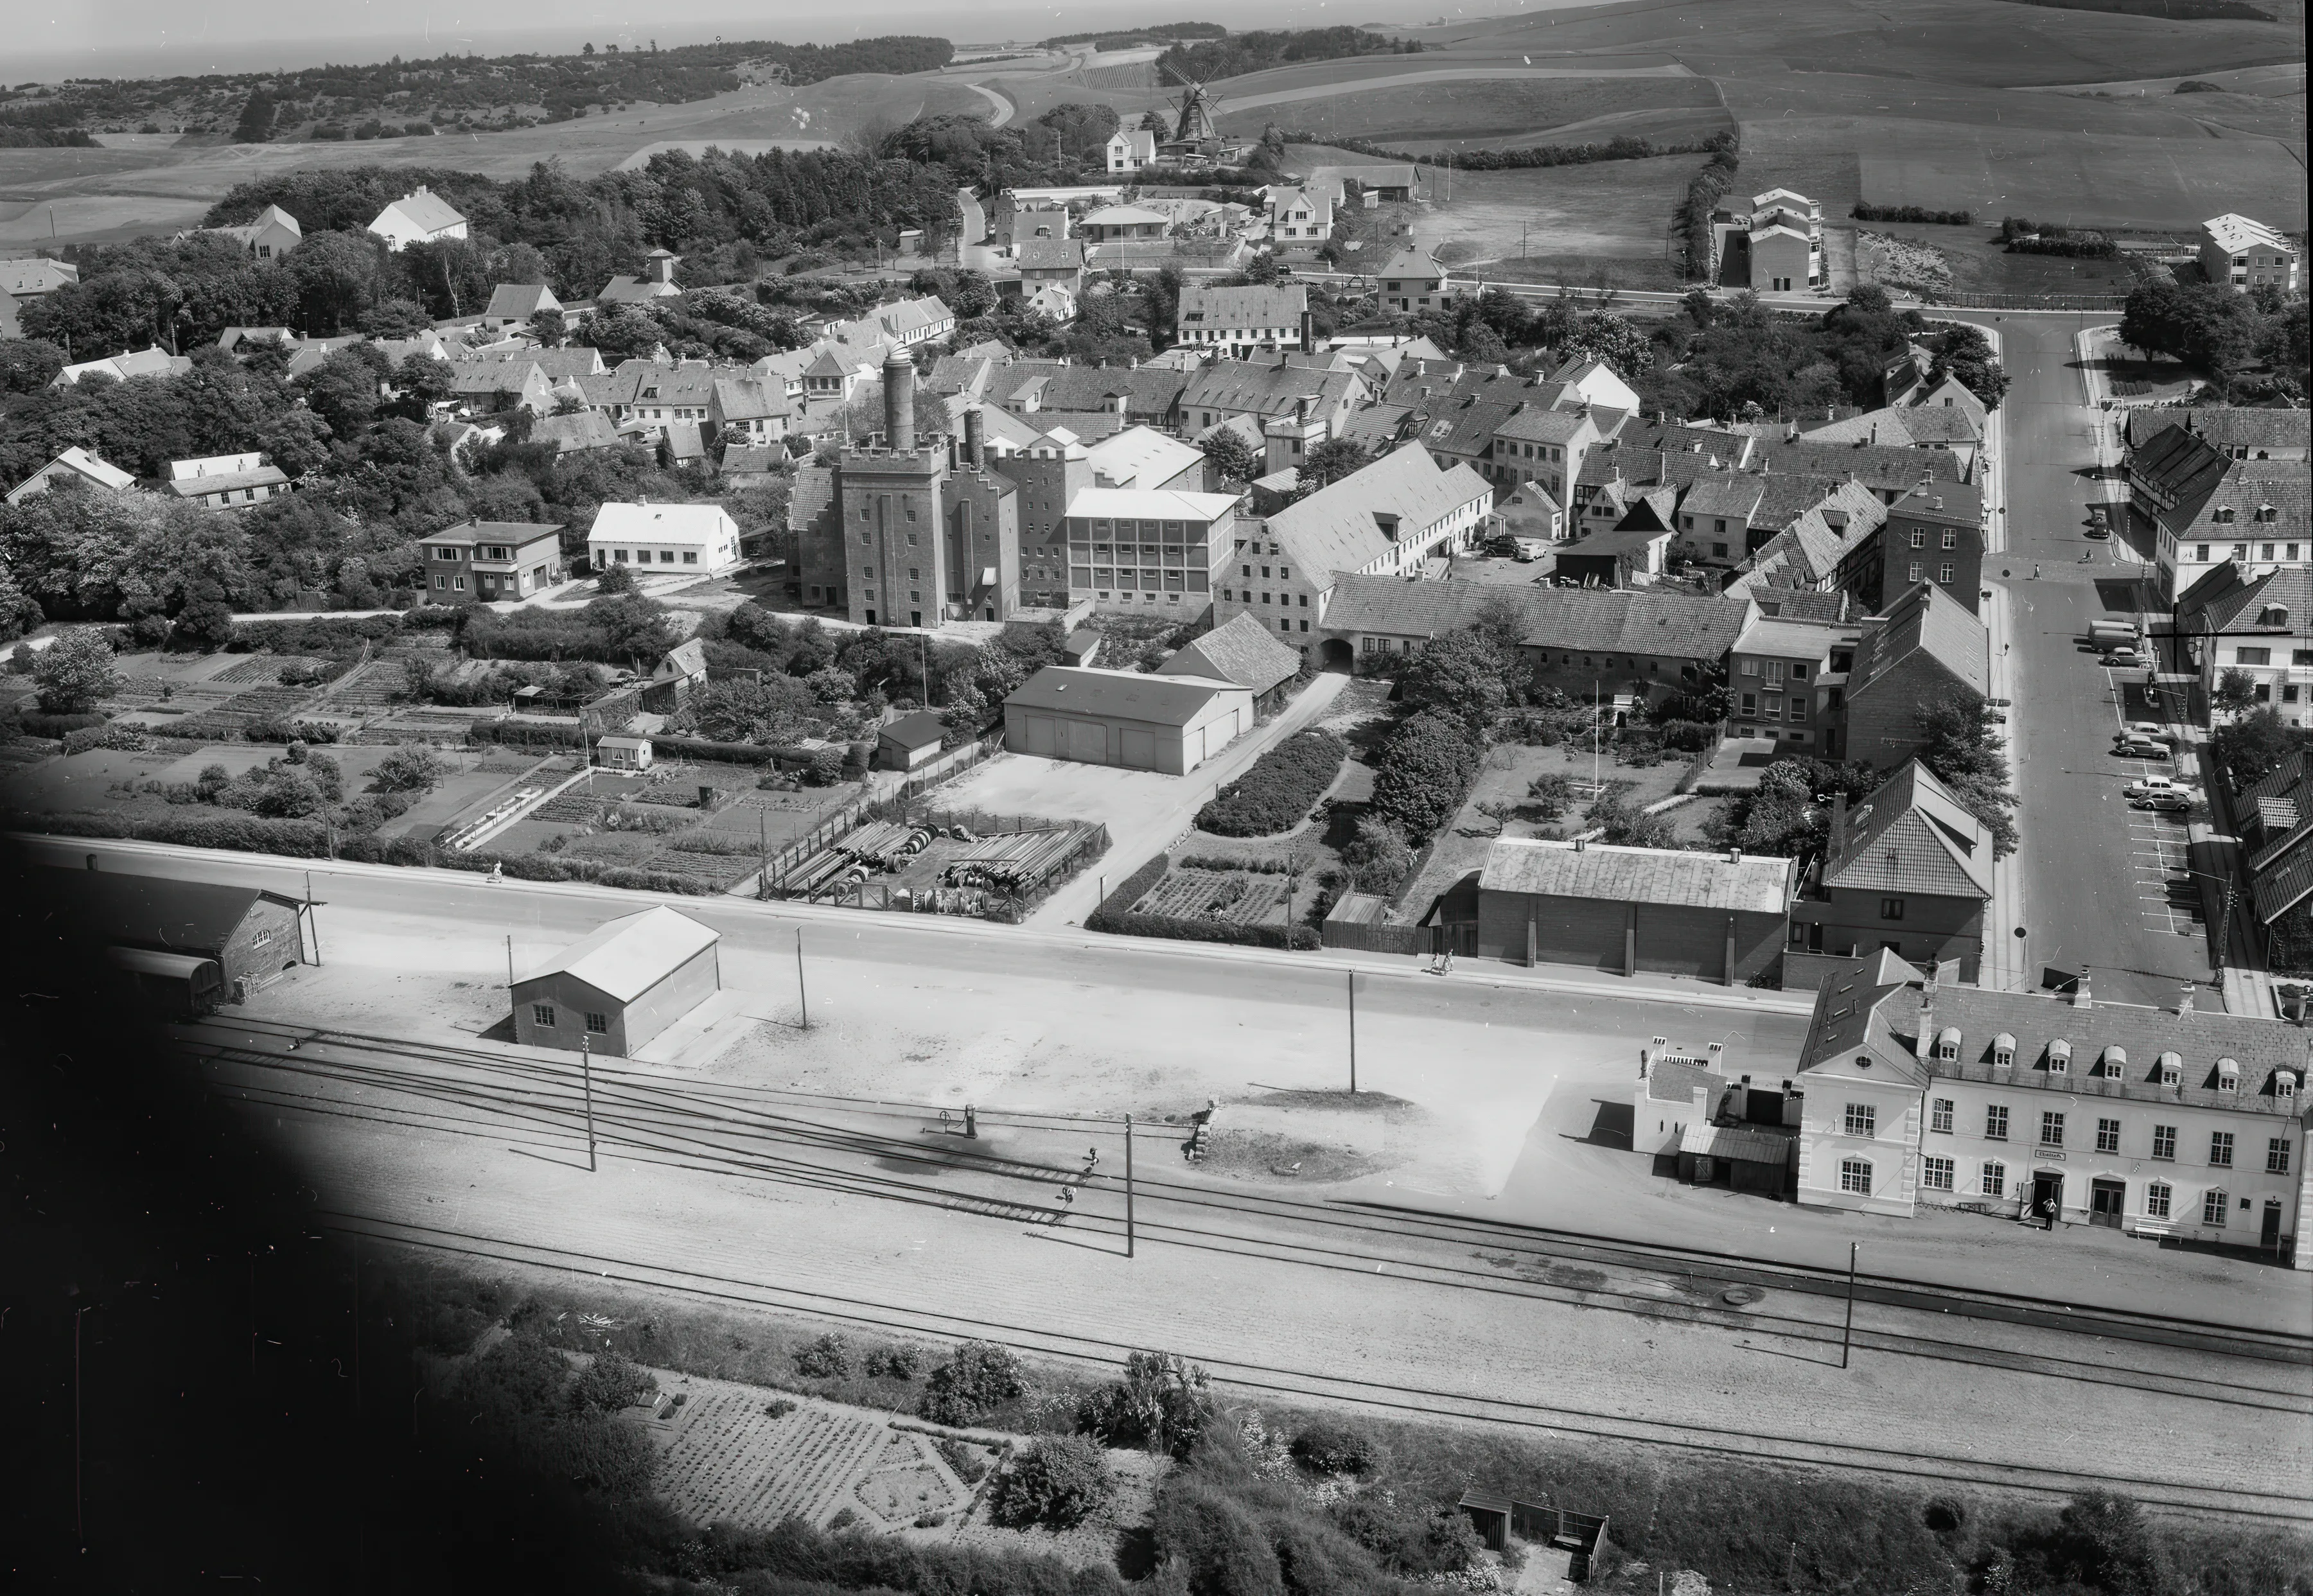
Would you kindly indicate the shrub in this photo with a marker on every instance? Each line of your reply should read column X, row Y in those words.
column 964, row 1459
column 415, row 769
column 1059, row 1481
column 1379, row 855
column 1332, row 1448
column 1216, row 1542
column 1276, row 794
column 903, row 1361
column 1162, row 1404
column 1406, row 1541
column 233, row 831
column 1426, row 770
column 780, row 1408
column 728, row 753
column 1910, row 213
column 829, row 1357
column 72, row 672
column 39, row 723
column 977, row 1377
column 611, row 1382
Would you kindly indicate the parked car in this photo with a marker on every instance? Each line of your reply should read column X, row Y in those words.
column 2162, row 802
column 2146, row 785
column 2151, row 729
column 2140, row 748
column 2122, row 659
column 2098, row 531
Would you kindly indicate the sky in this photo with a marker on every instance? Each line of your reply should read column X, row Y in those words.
column 50, row 38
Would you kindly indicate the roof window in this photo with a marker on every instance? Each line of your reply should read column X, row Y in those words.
column 2059, row 1056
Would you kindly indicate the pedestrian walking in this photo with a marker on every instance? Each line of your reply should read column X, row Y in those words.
column 1068, row 1197
column 1092, row 1159
column 1447, row 968
column 2036, row 570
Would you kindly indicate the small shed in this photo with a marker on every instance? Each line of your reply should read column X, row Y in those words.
column 1242, row 651
column 249, row 935
column 910, row 741
column 616, row 990
column 677, row 675
column 1168, row 724
column 623, row 753
column 1741, row 1156
column 1082, row 647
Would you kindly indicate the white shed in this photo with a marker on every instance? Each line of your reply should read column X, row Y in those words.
column 1172, row 724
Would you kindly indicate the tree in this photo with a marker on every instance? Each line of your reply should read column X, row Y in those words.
column 396, row 319
column 28, row 365
column 1162, row 1404
column 1231, row 457
column 71, row 673
column 1059, row 1481
column 1964, row 352
column 336, row 275
column 975, row 1380
column 549, row 328
column 2253, row 746
column 256, row 124
column 1331, row 461
column 1614, row 341
column 631, row 626
column 1426, row 769
column 1459, row 674
column 2236, row 691
column 205, row 622
column 1960, row 746
column 413, row 768
column 1084, row 130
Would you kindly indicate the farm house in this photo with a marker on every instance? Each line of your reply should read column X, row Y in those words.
column 1172, row 724
column 620, row 987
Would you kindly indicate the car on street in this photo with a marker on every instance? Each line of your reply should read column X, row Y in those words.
column 2122, row 659
column 2162, row 802
column 2139, row 748
column 2145, row 786
column 2153, row 730
column 2098, row 531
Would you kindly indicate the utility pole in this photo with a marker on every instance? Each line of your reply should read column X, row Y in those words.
column 1353, row 1033
column 1127, row 1186
column 586, row 1079
column 801, row 996
column 312, row 921
column 1847, row 1336
column 763, row 854
column 1594, row 739
column 509, row 966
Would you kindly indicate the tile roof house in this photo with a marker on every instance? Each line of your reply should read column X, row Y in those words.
column 1240, row 650
column 2232, row 430
column 749, row 410
column 1242, row 320
column 1631, row 910
column 1933, row 533
column 269, row 235
column 513, row 304
column 1129, row 149
column 493, row 385
column 1383, row 519
column 2276, row 821
column 1297, row 218
column 1889, row 471
column 1925, row 649
column 1920, row 1091
column 2205, row 507
column 419, row 218
column 1412, row 282
column 2260, row 626
column 1908, row 869
column 154, row 362
column 226, row 481
column 574, row 434
column 657, row 281
column 27, row 278
column 75, row 464
column 2244, row 254
column 1267, row 390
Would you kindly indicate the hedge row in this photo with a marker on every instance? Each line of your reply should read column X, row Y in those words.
column 315, row 635
column 1276, row 794
column 728, row 753
column 1115, row 916
column 1910, row 213
column 235, row 831
column 1626, row 148
column 2077, row 249
column 40, row 723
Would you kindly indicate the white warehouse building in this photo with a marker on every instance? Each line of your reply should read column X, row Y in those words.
column 694, row 539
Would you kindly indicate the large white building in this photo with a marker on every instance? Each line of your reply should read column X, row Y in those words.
column 419, row 218
column 1152, row 550
column 2154, row 1122
column 660, row 539
column 2246, row 254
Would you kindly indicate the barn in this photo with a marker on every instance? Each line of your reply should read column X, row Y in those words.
column 186, row 944
column 1170, row 723
column 1662, row 911
column 620, row 987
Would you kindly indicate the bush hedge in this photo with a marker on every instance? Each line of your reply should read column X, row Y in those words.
column 795, row 1550
column 1059, row 1481
column 38, row 723
column 1910, row 213
column 1115, row 916
column 1426, row 770
column 1276, row 794
column 315, row 635
column 233, row 831
column 728, row 753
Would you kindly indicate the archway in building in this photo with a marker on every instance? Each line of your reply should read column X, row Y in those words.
column 1338, row 656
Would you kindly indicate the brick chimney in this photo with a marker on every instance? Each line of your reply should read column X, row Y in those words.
column 899, row 400
column 1924, row 1044
column 975, row 447
column 2080, row 999
column 1308, row 332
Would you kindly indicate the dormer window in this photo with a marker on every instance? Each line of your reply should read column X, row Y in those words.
column 2284, row 1084
column 2172, row 1069
column 2223, row 515
column 2114, row 1065
column 2265, row 512
column 2059, row 1056
column 2003, row 1051
column 2227, row 1075
column 1947, row 1044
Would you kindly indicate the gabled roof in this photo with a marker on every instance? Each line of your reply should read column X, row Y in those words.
column 423, row 210
column 2180, row 464
column 1146, row 392
column 1049, row 254
column 1412, row 263
column 632, row 954
column 159, row 912
column 750, row 398
column 1249, row 306
column 1849, row 1036
column 1141, row 457
column 1791, row 638
column 586, row 429
column 1151, row 503
column 1587, row 620
column 2229, row 600
column 1747, row 883
column 1124, row 215
column 1240, row 650
column 519, row 302
column 2228, row 426
column 664, row 523
column 1925, row 622
column 154, row 362
column 921, row 729
column 1539, row 424
column 1912, row 835
column 811, row 497
column 1123, row 694
column 752, row 459
column 2233, row 232
column 193, row 487
column 1879, row 465
column 1334, row 529
column 1268, row 389
column 101, row 472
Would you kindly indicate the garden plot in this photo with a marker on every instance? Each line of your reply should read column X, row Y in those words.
column 1231, row 896
column 907, row 1482
column 731, row 1459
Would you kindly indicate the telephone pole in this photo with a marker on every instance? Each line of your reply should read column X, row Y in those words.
column 1847, row 1336
column 1353, row 1033
column 586, row 1079
column 1128, row 1187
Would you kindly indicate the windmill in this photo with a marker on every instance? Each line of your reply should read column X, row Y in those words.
column 1198, row 104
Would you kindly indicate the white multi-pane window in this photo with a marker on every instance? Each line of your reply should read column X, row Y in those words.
column 2276, row 1157
column 2107, row 1135
column 1995, row 1123
column 1855, row 1176
column 2164, row 1140
column 1995, row 1179
column 1862, row 1119
column 2221, row 1149
column 2212, row 1208
column 1936, row 1173
column 1940, row 1117
column 2156, row 1200
column 2052, row 1128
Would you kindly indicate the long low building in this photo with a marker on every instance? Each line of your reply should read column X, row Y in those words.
column 613, row 991
column 1171, row 723
column 1662, row 911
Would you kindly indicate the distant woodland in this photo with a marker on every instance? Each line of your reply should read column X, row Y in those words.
column 1241, row 52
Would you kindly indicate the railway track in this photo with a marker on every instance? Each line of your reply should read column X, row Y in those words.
column 1753, row 1444
column 651, row 1119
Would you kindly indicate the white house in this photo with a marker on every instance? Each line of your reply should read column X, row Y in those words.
column 1412, row 282
column 697, row 539
column 2246, row 254
column 154, row 362
column 226, row 481
column 75, row 464
column 513, row 304
column 273, row 233
column 418, row 217
column 2154, row 1122
column 1595, row 381
column 1131, row 148
column 1299, row 218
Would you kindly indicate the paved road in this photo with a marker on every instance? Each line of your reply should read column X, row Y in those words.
column 2103, row 883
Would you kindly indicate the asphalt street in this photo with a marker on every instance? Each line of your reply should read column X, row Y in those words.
column 2105, row 887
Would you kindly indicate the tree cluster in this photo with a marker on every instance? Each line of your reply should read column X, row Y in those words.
column 1737, row 357
column 1236, row 54
column 2223, row 334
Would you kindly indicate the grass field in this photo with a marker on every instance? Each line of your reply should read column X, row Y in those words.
column 1616, row 209
column 1499, row 112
